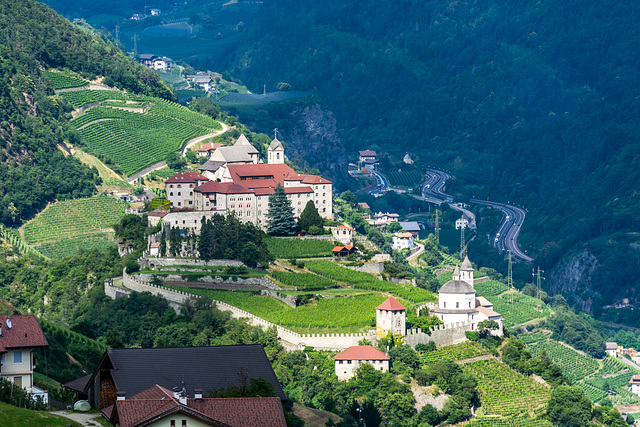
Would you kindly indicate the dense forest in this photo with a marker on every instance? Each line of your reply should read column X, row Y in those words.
column 33, row 123
column 532, row 103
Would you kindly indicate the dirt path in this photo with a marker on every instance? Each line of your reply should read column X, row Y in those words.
column 133, row 178
column 84, row 419
column 198, row 139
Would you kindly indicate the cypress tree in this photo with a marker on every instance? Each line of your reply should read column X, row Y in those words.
column 280, row 214
column 310, row 217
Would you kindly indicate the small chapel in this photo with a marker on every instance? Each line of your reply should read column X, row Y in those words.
column 457, row 301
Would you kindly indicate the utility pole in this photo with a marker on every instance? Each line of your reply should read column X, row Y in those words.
column 118, row 33
column 437, row 226
column 135, row 44
column 539, row 288
column 510, row 277
column 462, row 241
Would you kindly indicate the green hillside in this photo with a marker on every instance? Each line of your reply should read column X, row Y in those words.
column 131, row 132
column 65, row 228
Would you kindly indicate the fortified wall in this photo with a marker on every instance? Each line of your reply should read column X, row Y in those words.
column 441, row 334
column 164, row 262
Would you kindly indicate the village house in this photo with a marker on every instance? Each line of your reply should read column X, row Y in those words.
column 134, row 370
column 20, row 335
column 611, row 349
column 158, row 406
column 342, row 251
column 343, row 234
column 206, row 150
column 180, row 188
column 349, row 360
column 368, row 160
column 147, row 59
column 402, row 241
column 411, row 227
column 203, row 82
column 634, row 384
column 163, row 64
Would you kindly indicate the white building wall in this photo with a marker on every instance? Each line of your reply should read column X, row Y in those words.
column 181, row 195
column 346, row 369
column 11, row 370
column 390, row 320
column 460, row 301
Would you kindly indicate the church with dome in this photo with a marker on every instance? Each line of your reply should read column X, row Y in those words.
column 458, row 303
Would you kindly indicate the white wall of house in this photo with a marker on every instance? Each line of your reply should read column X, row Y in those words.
column 393, row 321
column 346, row 369
column 17, row 367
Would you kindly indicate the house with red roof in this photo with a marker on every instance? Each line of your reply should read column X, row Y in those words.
column 20, row 335
column 342, row 251
column 348, row 361
column 343, row 234
column 158, row 406
column 634, row 384
column 390, row 317
column 206, row 150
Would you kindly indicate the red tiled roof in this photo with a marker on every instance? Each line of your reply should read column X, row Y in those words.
column 277, row 171
column 155, row 245
column 210, row 146
column 160, row 214
column 361, row 352
column 367, row 153
column 635, row 379
column 390, row 304
column 25, row 332
column 404, row 235
column 157, row 403
column 186, row 177
column 364, row 205
column 343, row 227
column 306, row 179
column 337, row 249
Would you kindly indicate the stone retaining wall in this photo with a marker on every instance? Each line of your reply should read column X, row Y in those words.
column 152, row 262
column 442, row 335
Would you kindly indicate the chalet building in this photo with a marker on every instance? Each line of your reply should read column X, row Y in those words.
column 163, row 64
column 20, row 335
column 203, row 82
column 342, row 234
column 457, row 301
column 342, row 251
column 134, row 370
column 180, row 188
column 368, row 160
column 390, row 317
column 147, row 59
column 158, row 406
column 348, row 361
column 402, row 241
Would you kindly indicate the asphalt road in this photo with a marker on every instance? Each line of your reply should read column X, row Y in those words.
column 505, row 237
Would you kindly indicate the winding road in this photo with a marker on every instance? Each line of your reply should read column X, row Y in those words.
column 506, row 237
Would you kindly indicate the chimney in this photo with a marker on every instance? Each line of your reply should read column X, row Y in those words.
column 183, row 398
column 176, row 392
column 121, row 395
column 198, row 393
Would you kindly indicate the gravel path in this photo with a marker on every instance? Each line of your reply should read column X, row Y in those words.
column 82, row 418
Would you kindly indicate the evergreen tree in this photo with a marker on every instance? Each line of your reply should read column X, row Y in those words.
column 310, row 218
column 280, row 214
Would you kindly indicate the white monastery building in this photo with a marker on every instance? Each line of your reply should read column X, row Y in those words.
column 235, row 180
column 457, row 301
column 348, row 361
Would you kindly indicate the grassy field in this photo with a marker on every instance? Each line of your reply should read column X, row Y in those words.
column 111, row 181
column 66, row 227
column 12, row 416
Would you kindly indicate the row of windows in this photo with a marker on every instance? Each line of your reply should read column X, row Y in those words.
column 180, row 194
column 17, row 357
column 457, row 304
column 368, row 361
column 180, row 186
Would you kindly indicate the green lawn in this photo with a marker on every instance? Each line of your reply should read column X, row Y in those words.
column 12, row 416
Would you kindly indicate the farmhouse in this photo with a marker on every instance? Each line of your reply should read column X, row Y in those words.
column 457, row 301
column 163, row 64
column 341, row 251
column 402, row 241
column 206, row 150
column 368, row 160
column 634, row 384
column 158, row 406
column 348, row 361
column 19, row 337
column 411, row 227
column 134, row 370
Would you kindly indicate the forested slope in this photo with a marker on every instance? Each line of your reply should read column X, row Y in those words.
column 33, row 171
column 530, row 102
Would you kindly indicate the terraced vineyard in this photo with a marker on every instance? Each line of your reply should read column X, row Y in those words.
column 490, row 288
column 506, row 392
column 303, row 281
column 299, row 248
column 368, row 281
column 457, row 352
column 517, row 308
column 133, row 140
column 617, row 385
column 68, row 226
column 357, row 312
column 64, row 81
column 574, row 365
column 514, row 421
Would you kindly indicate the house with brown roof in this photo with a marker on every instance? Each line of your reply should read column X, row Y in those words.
column 158, row 406
column 20, row 335
column 348, row 361
column 402, row 241
column 342, row 251
column 206, row 150
column 634, row 384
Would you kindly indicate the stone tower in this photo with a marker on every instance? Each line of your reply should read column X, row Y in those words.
column 390, row 317
column 466, row 271
column 275, row 152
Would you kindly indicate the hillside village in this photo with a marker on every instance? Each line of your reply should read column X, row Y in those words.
column 245, row 291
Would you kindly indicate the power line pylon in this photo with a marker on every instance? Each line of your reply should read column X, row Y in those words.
column 510, row 277
column 437, row 226
column 462, row 240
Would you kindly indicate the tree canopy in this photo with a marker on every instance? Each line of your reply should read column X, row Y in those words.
column 280, row 214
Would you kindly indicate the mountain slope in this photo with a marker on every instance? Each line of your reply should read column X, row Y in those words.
column 533, row 103
column 33, row 171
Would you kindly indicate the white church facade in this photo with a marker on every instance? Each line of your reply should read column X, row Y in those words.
column 457, row 301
